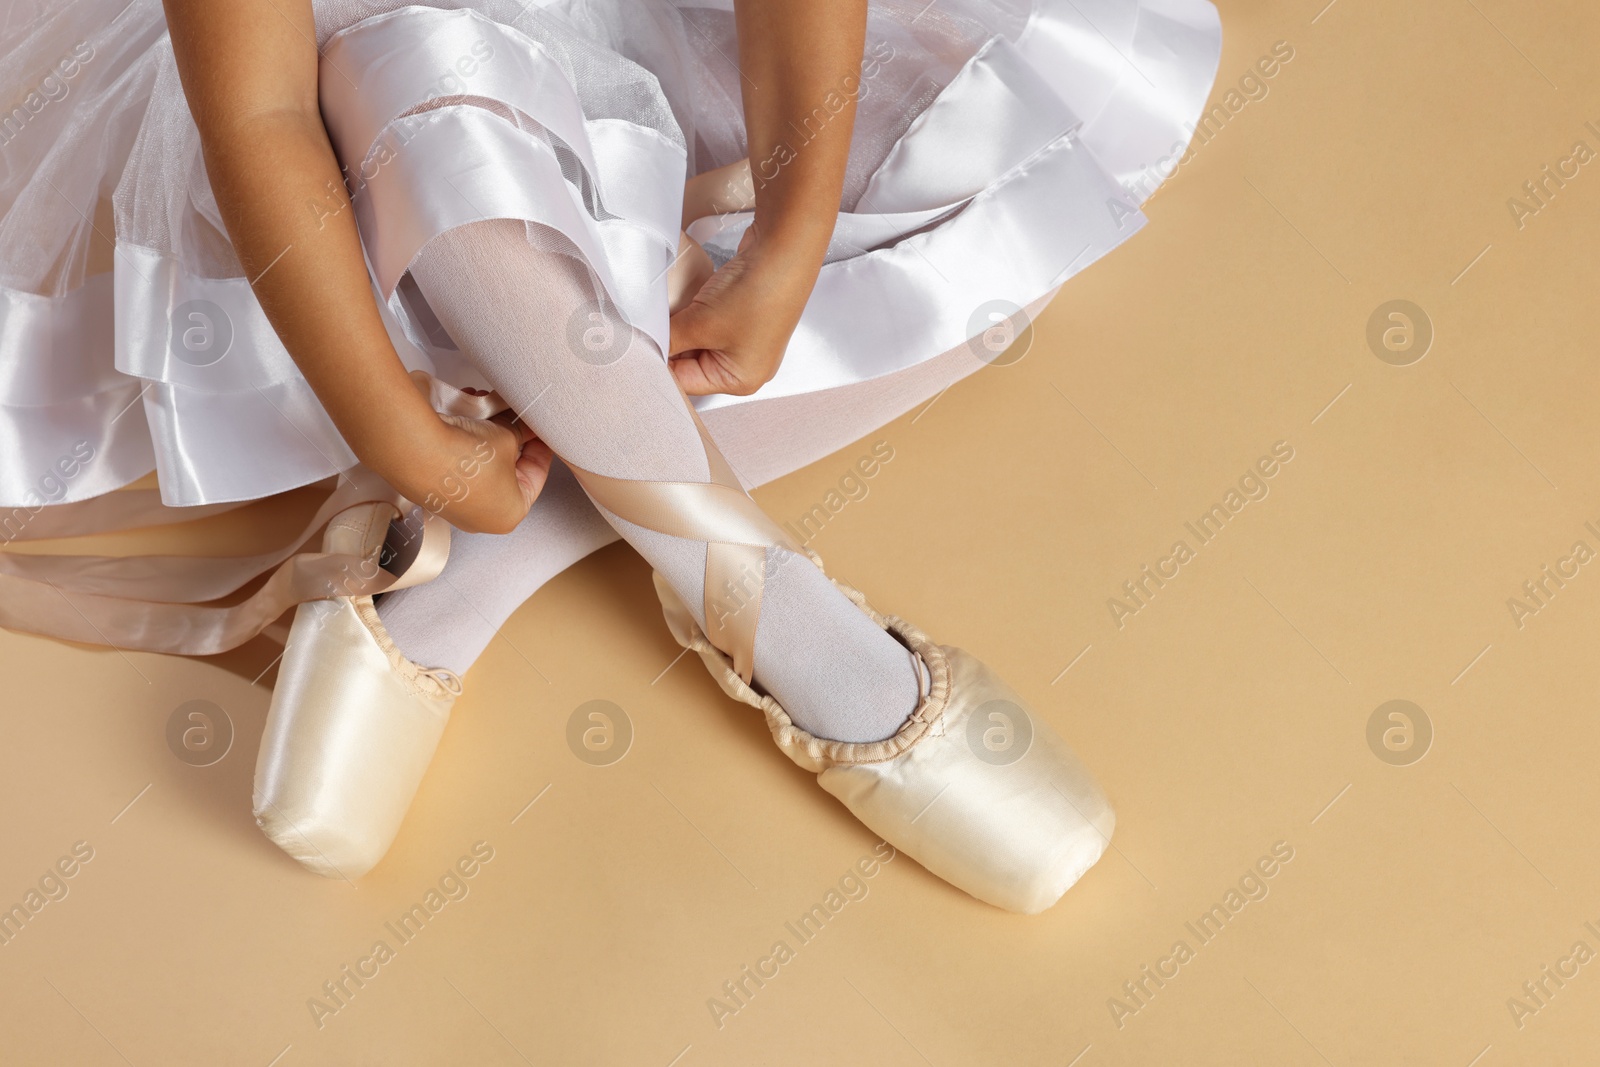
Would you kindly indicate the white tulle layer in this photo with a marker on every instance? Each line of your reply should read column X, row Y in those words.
column 1001, row 146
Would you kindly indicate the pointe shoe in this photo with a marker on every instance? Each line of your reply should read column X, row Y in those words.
column 972, row 786
column 352, row 726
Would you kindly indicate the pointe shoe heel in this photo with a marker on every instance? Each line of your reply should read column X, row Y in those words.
column 352, row 727
column 973, row 786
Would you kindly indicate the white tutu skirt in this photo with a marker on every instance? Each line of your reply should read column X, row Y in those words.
column 1000, row 147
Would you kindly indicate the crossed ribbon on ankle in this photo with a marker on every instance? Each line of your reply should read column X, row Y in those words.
column 736, row 531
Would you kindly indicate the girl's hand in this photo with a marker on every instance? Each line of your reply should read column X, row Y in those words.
column 480, row 476
column 731, row 336
column 249, row 72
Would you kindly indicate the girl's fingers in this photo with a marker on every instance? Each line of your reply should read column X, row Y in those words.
column 533, row 469
column 691, row 374
column 689, row 330
column 704, row 372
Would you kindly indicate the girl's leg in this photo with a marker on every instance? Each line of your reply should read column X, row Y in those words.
column 449, row 621
column 517, row 300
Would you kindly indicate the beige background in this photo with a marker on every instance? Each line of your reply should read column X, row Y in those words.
column 1230, row 713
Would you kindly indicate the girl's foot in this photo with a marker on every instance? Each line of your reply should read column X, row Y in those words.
column 972, row 786
column 352, row 727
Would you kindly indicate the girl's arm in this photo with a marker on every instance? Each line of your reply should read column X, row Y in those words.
column 249, row 70
column 800, row 65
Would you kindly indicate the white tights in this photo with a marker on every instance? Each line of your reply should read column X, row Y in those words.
column 518, row 305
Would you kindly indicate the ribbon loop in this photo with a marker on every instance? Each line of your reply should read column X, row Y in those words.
column 166, row 603
column 737, row 533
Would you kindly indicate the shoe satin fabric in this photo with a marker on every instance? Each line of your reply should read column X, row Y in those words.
column 1014, row 834
column 1014, row 825
column 347, row 742
column 352, row 727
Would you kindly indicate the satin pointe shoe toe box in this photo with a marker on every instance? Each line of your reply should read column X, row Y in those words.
column 989, row 798
column 973, row 786
column 349, row 736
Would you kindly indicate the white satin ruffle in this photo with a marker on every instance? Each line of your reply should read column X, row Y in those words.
column 1027, row 166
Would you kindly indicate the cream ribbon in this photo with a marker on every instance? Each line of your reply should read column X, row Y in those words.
column 719, row 512
column 164, row 603
column 158, row 603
